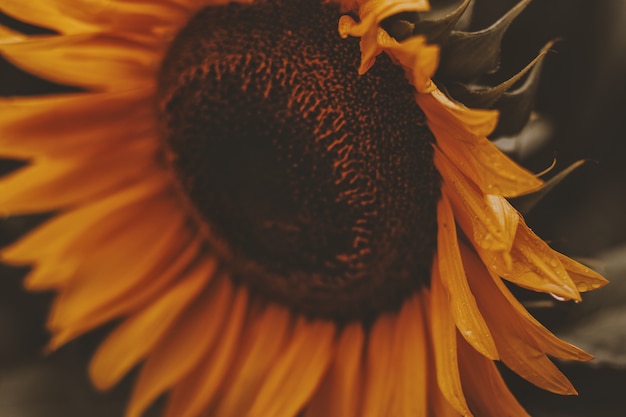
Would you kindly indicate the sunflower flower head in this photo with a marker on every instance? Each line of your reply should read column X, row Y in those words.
column 290, row 206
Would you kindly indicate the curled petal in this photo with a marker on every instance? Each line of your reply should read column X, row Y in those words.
column 418, row 59
column 371, row 13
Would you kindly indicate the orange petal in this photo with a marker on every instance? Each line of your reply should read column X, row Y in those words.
column 451, row 120
column 298, row 371
column 8, row 35
column 76, row 124
column 514, row 334
column 371, row 13
column 87, row 60
column 263, row 343
column 418, row 59
column 140, row 333
column 438, row 405
column 409, row 365
column 49, row 241
column 50, row 184
column 487, row 392
column 585, row 278
column 119, row 263
column 445, row 346
column 81, row 16
column 197, row 391
column 538, row 336
column 340, row 393
column 59, row 261
column 93, row 296
column 378, row 377
column 462, row 304
column 534, row 266
column 136, row 297
column 53, row 14
column 491, row 170
column 183, row 346
column 490, row 222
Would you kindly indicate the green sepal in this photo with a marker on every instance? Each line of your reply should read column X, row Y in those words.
column 469, row 55
column 525, row 203
column 516, row 106
column 482, row 97
column 439, row 29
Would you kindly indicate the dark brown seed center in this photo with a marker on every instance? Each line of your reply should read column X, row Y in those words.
column 319, row 182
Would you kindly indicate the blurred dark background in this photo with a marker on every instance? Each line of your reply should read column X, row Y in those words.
column 582, row 97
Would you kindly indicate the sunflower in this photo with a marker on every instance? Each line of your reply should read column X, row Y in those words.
column 281, row 205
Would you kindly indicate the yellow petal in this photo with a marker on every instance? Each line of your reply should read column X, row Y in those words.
column 444, row 343
column 453, row 121
column 378, row 378
column 137, row 296
column 340, row 394
column 52, row 239
column 463, row 308
column 418, row 59
column 9, row 36
column 371, row 13
column 80, row 16
column 298, row 371
column 141, row 332
column 534, row 266
column 515, row 335
column 490, row 222
column 54, row 14
column 537, row 335
column 197, row 391
column 183, row 346
column 50, row 184
column 409, row 365
column 487, row 392
column 118, row 265
column 585, row 278
column 437, row 402
column 491, row 170
column 74, row 125
column 264, row 340
column 98, row 62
